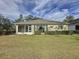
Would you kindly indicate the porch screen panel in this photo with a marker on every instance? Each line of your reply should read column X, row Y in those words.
column 26, row 28
column 30, row 28
column 21, row 28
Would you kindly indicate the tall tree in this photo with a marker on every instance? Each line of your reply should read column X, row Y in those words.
column 8, row 24
column 29, row 17
column 1, row 22
column 69, row 19
column 20, row 18
column 5, row 23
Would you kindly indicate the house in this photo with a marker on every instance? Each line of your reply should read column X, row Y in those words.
column 74, row 25
column 31, row 26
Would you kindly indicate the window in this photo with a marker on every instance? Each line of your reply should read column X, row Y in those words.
column 51, row 26
column 77, row 27
column 21, row 28
column 60, row 27
column 28, row 28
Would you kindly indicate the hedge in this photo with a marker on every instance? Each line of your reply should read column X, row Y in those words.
column 57, row 32
column 7, row 32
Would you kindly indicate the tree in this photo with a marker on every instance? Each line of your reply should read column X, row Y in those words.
column 5, row 24
column 1, row 22
column 29, row 17
column 20, row 18
column 69, row 19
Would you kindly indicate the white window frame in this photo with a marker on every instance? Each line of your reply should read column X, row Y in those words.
column 29, row 28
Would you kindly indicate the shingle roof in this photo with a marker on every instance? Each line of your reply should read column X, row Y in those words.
column 75, row 21
column 39, row 21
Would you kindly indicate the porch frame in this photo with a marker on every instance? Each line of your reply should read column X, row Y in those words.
column 24, row 30
column 32, row 29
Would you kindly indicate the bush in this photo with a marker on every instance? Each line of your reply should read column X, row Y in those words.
column 76, row 32
column 71, row 32
column 37, row 32
column 7, row 32
column 62, row 32
column 57, row 32
column 50, row 32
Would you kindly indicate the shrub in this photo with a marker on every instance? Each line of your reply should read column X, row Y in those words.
column 37, row 32
column 57, row 32
column 71, row 32
column 76, row 32
column 7, row 32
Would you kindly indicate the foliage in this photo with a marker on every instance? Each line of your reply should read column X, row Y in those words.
column 29, row 17
column 71, row 32
column 5, row 24
column 20, row 18
column 57, row 32
column 7, row 32
column 69, row 19
column 37, row 32
column 25, row 18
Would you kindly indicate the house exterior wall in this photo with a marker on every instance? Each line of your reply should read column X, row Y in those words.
column 52, row 27
column 57, row 27
column 36, row 27
column 65, row 28
column 72, row 27
column 47, row 28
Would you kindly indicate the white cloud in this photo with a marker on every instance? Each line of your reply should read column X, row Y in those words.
column 39, row 9
column 11, row 8
column 39, row 5
column 58, row 15
column 76, row 16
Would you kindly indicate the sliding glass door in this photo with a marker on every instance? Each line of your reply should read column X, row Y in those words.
column 41, row 28
column 21, row 28
column 28, row 28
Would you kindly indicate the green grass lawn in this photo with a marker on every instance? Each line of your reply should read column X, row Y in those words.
column 39, row 47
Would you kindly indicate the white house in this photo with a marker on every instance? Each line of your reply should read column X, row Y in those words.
column 30, row 26
column 74, row 25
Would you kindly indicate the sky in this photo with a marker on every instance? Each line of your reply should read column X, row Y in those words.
column 48, row 9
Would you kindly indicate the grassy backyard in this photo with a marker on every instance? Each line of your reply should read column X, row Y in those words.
column 39, row 47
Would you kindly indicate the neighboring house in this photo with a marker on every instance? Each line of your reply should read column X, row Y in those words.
column 31, row 26
column 74, row 25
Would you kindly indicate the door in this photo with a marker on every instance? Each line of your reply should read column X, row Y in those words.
column 77, row 27
column 41, row 28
